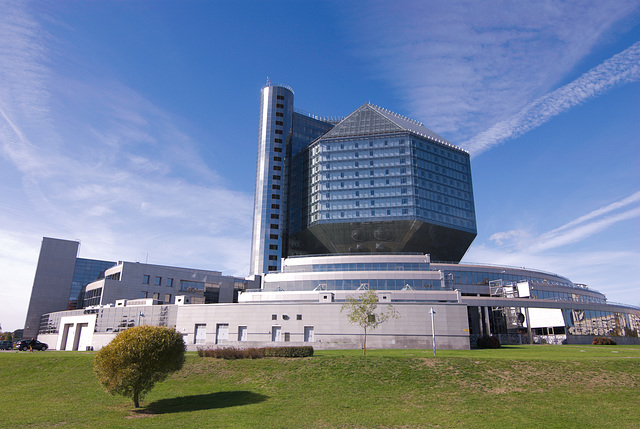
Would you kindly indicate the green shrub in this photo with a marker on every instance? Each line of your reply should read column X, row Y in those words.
column 488, row 342
column 255, row 353
column 304, row 351
column 603, row 341
column 137, row 358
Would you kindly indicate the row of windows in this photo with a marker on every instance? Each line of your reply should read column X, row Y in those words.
column 157, row 280
column 361, row 266
column 438, row 154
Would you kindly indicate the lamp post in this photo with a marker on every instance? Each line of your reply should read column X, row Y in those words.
column 433, row 330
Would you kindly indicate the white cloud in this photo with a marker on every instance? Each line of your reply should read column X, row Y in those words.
column 99, row 163
column 613, row 271
column 462, row 66
column 619, row 69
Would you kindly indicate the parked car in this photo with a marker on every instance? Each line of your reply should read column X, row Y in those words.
column 31, row 345
column 6, row 345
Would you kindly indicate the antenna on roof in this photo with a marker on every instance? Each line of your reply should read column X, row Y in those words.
column 268, row 81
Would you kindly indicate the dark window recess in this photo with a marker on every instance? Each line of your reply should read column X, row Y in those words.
column 277, row 140
column 279, row 97
column 280, row 106
column 273, row 236
column 277, row 149
column 273, row 247
column 279, row 123
column 275, row 187
column 275, row 226
column 273, row 257
column 275, row 196
column 276, row 177
column 275, row 216
column 275, row 206
column 277, row 168
column 280, row 114
column 278, row 131
column 274, row 317
column 299, row 317
column 272, row 268
column 277, row 158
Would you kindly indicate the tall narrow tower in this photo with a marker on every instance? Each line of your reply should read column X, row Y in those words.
column 275, row 128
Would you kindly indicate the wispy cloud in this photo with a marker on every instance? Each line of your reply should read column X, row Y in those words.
column 589, row 263
column 88, row 158
column 463, row 67
column 619, row 69
column 574, row 231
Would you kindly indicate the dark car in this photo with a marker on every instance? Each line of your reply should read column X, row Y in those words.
column 31, row 345
column 6, row 345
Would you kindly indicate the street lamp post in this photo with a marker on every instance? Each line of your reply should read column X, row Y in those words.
column 433, row 330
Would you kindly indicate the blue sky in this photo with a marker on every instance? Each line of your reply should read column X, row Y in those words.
column 132, row 126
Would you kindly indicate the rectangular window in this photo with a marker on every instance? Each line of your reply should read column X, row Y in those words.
column 275, row 206
column 242, row 333
column 274, row 177
column 273, row 247
column 279, row 123
column 279, row 106
column 277, row 158
column 277, row 168
column 373, row 212
column 170, row 282
column 299, row 317
column 167, row 298
column 275, row 196
column 278, row 131
column 274, row 317
column 277, row 140
column 275, row 216
column 145, row 279
column 276, row 187
column 273, row 236
column 156, row 296
column 273, row 257
column 272, row 268
column 274, row 226
column 143, row 294
column 280, row 114
column 200, row 334
column 279, row 97
column 277, row 149
column 158, row 281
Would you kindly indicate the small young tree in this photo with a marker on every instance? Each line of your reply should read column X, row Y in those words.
column 137, row 358
column 361, row 311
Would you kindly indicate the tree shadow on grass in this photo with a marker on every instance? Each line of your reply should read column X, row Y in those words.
column 208, row 401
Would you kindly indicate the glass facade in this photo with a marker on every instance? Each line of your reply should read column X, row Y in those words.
column 392, row 177
column 85, row 272
column 282, row 134
column 275, row 128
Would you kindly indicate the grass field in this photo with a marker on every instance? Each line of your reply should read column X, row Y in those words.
column 525, row 386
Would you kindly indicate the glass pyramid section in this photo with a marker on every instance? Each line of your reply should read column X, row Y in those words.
column 371, row 120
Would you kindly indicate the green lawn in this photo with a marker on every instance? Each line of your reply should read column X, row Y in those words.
column 525, row 386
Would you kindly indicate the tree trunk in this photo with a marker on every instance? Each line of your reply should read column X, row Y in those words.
column 364, row 346
column 136, row 402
